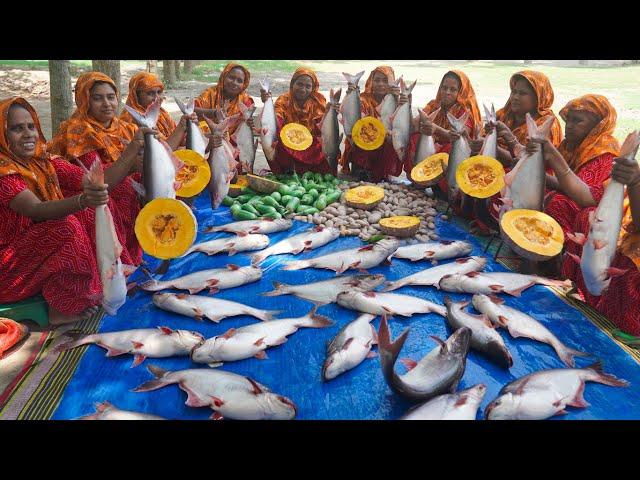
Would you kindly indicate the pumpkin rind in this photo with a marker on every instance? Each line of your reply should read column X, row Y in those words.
column 429, row 171
column 480, row 176
column 262, row 185
column 368, row 133
column 531, row 234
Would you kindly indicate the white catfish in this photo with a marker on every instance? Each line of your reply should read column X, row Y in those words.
column 315, row 237
column 433, row 251
column 380, row 303
column 233, row 245
column 265, row 225
column 462, row 405
column 243, row 137
column 351, row 108
column 600, row 246
column 401, row 122
column 268, row 125
column 496, row 282
column 108, row 250
column 107, row 411
column 222, row 163
column 195, row 139
column 350, row 347
column 214, row 279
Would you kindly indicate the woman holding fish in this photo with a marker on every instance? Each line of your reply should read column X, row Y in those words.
column 303, row 104
column 144, row 89
column 95, row 132
column 46, row 241
column 380, row 91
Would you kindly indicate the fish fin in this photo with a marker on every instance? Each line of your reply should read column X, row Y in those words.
column 560, row 412
column 518, row 291
column 429, row 254
column 495, row 299
column 128, row 270
column 216, row 416
column 259, row 342
column 278, row 341
column 114, row 352
column 616, row 272
column 217, row 401
column 215, row 364
column 606, row 378
column 410, row 364
column 577, row 237
column 261, row 355
column 242, row 234
column 369, row 294
column 574, row 257
column 198, row 314
column 347, row 343
column 193, row 291
column 137, row 360
column 598, row 244
column 365, row 248
column 233, row 267
column 363, row 270
column 158, row 382
column 461, row 401
column 232, row 251
column 214, row 290
column 229, row 333
column 578, row 400
column 503, row 321
column 256, row 388
column 454, row 387
column 462, row 260
column 181, row 296
column 472, row 274
column 439, row 341
column 166, row 330
column 496, row 288
column 279, row 290
column 384, row 338
column 137, row 345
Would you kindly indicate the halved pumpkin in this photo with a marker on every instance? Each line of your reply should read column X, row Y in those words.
column 365, row 197
column 194, row 175
column 166, row 228
column 296, row 136
column 429, row 171
column 368, row 133
column 400, row 226
column 235, row 189
column 480, row 176
column 531, row 234
column 261, row 184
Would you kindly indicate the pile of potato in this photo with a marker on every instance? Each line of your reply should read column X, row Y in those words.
column 399, row 200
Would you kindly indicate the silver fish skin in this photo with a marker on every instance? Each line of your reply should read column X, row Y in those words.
column 519, row 324
column 266, row 225
column 380, row 303
column 302, row 242
column 388, row 106
column 350, row 347
column 484, row 339
column 243, row 136
column 227, row 394
column 159, row 163
column 326, row 291
column 268, row 125
column 546, row 393
column 462, row 405
column 107, row 411
column 351, row 108
column 213, row 279
column 200, row 306
column 426, row 145
column 361, row 258
column 525, row 183
column 222, row 163
column 432, row 276
column 330, row 131
column 233, row 245
column 401, row 123
column 460, row 151
column 158, row 342
column 195, row 139
column 436, row 373
column 433, row 251
column 496, row 282
column 490, row 145
column 252, row 340
column 599, row 248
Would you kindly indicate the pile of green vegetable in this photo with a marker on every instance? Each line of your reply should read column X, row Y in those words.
column 297, row 195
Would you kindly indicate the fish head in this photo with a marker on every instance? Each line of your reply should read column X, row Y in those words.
column 465, row 248
column 479, row 301
column 449, row 282
column 478, row 392
column 188, row 339
column 205, row 351
column 369, row 282
column 159, row 299
column 252, row 273
column 503, row 407
column 333, row 366
column 276, row 407
column 458, row 343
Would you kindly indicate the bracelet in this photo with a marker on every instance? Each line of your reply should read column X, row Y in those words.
column 79, row 199
column 566, row 172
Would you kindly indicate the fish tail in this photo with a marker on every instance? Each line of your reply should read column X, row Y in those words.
column 297, row 265
column 257, row 258
column 384, row 340
column 280, row 289
column 598, row 375
column 267, row 315
column 550, row 282
column 566, row 354
column 313, row 320
column 390, row 286
column 151, row 285
column 77, row 340
column 159, row 382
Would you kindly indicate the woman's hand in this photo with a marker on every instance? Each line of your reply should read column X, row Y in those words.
column 476, row 145
column 626, row 171
column 216, row 140
column 350, row 88
column 394, row 90
column 94, row 195
column 182, row 124
column 426, row 126
column 264, row 95
column 504, row 133
column 402, row 99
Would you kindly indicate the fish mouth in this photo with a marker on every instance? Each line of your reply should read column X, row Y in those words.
column 489, row 409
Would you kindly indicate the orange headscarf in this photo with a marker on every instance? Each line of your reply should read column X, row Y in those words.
column 466, row 101
column 213, row 97
column 367, row 98
column 37, row 172
column 313, row 109
column 600, row 139
column 629, row 242
column 140, row 82
column 82, row 133
column 540, row 84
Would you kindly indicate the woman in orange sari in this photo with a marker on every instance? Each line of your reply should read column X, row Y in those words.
column 303, row 104
column 47, row 239
column 95, row 132
column 144, row 89
column 373, row 165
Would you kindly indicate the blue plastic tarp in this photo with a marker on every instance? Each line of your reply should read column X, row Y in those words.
column 294, row 368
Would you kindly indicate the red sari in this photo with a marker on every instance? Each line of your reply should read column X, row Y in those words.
column 310, row 114
column 56, row 257
column 382, row 162
column 86, row 139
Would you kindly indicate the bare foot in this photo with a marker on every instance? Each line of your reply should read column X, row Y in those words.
column 59, row 318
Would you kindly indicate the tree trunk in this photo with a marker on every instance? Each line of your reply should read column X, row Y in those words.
column 169, row 72
column 112, row 69
column 177, row 69
column 60, row 93
column 152, row 66
column 188, row 65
